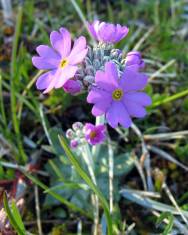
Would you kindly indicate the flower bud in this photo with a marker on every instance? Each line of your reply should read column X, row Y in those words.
column 72, row 86
column 115, row 53
column 74, row 144
column 77, row 126
column 134, row 60
column 70, row 134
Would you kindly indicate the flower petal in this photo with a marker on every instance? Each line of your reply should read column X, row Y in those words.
column 77, row 58
column 107, row 80
column 121, row 32
column 79, row 45
column 112, row 116
column 61, row 42
column 133, row 81
column 100, row 107
column 112, row 72
column 92, row 29
column 118, row 114
column 44, row 80
column 95, row 95
column 134, row 109
column 138, row 97
column 54, row 80
column 65, row 74
column 106, row 32
column 45, row 63
column 46, row 51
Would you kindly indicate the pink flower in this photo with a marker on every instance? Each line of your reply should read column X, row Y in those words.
column 94, row 134
column 106, row 32
column 119, row 98
column 61, row 61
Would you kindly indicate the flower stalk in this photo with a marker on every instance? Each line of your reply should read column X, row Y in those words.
column 86, row 153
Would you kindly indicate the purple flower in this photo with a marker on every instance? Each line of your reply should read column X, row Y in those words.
column 60, row 60
column 72, row 86
column 134, row 60
column 119, row 98
column 94, row 134
column 74, row 144
column 106, row 32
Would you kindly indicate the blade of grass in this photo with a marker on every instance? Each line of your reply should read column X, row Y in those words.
column 17, row 216
column 169, row 226
column 13, row 72
column 2, row 108
column 170, row 98
column 29, row 85
column 46, row 128
column 163, row 68
column 87, row 179
column 21, row 99
column 11, row 217
column 82, row 17
column 177, row 223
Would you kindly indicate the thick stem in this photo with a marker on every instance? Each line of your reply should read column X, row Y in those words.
column 111, row 175
column 96, row 148
column 86, row 153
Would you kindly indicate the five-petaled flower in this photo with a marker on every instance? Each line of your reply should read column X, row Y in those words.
column 61, row 61
column 107, row 32
column 119, row 97
column 94, row 134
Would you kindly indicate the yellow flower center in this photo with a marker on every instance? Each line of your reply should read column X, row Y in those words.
column 117, row 94
column 93, row 134
column 63, row 63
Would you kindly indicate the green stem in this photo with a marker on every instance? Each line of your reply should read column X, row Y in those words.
column 86, row 153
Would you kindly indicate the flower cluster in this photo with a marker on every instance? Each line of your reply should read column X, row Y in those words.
column 113, row 82
column 79, row 134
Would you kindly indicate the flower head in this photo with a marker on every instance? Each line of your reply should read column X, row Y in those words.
column 107, row 32
column 60, row 60
column 94, row 134
column 134, row 60
column 119, row 98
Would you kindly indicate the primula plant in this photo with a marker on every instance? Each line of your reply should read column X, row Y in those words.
column 113, row 82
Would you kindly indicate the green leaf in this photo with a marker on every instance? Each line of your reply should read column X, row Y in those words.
column 88, row 180
column 56, row 196
column 169, row 226
column 13, row 216
column 17, row 216
column 123, row 164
